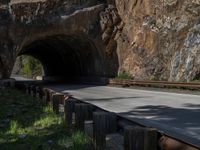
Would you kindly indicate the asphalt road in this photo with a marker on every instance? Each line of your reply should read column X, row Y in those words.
column 177, row 115
column 20, row 78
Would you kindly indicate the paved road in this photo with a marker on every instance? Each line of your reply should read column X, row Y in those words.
column 177, row 115
column 20, row 78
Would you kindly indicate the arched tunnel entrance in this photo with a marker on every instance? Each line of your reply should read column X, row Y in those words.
column 66, row 56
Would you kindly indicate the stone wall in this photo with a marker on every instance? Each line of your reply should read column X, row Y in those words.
column 23, row 22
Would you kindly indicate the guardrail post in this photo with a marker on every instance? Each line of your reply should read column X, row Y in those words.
column 104, row 123
column 48, row 96
column 28, row 90
column 45, row 96
column 51, row 93
column 138, row 138
column 82, row 112
column 56, row 100
column 69, row 106
column 33, row 90
column 38, row 92
column 114, row 141
column 88, row 128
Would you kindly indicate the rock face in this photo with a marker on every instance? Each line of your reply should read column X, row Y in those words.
column 149, row 39
column 156, row 39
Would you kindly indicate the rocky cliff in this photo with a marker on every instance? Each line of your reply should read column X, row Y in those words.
column 149, row 39
column 155, row 39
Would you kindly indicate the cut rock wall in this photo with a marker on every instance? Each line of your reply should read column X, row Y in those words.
column 156, row 40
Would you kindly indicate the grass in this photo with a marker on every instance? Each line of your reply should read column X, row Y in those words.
column 26, row 124
column 124, row 75
column 79, row 139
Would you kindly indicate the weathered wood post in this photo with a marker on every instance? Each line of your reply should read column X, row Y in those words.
column 88, row 128
column 51, row 93
column 56, row 100
column 69, row 108
column 38, row 92
column 104, row 123
column 114, row 141
column 33, row 90
column 28, row 91
column 45, row 96
column 82, row 112
column 138, row 138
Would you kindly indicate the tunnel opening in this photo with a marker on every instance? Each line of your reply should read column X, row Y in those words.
column 67, row 57
column 27, row 67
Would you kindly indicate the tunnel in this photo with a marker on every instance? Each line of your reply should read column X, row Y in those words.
column 66, row 56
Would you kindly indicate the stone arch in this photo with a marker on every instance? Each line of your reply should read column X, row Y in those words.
column 66, row 56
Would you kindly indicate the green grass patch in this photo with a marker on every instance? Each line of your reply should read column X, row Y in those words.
column 124, row 75
column 80, row 141
column 26, row 124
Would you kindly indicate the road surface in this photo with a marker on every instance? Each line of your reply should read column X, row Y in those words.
column 177, row 115
column 21, row 78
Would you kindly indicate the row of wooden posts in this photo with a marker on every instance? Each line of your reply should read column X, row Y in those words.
column 96, row 122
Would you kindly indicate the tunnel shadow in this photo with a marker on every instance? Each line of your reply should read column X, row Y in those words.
column 181, row 123
column 183, row 117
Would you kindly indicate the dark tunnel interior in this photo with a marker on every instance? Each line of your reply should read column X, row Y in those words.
column 66, row 56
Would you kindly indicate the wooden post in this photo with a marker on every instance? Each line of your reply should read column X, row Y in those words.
column 151, row 139
column 82, row 112
column 33, row 90
column 138, row 138
column 28, row 90
column 114, row 141
column 104, row 123
column 38, row 92
column 45, row 96
column 48, row 97
column 41, row 94
column 69, row 108
column 56, row 100
column 51, row 93
column 88, row 128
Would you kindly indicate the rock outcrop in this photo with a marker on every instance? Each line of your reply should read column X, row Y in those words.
column 156, row 40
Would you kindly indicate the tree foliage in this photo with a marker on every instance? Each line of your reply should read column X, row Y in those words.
column 31, row 67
